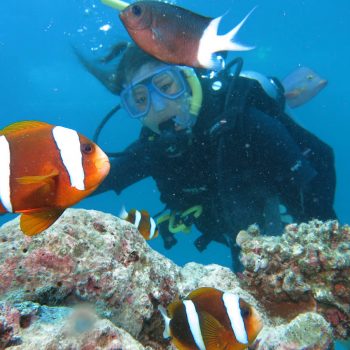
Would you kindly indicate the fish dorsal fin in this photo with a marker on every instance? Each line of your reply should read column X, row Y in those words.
column 213, row 332
column 199, row 292
column 37, row 179
column 24, row 125
column 34, row 223
column 173, row 306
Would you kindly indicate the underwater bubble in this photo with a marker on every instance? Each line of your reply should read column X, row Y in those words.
column 105, row 27
column 96, row 48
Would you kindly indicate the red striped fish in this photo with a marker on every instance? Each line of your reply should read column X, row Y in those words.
column 176, row 35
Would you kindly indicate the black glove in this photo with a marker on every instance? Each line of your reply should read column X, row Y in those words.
column 168, row 238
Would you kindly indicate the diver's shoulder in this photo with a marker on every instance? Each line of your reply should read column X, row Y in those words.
column 270, row 85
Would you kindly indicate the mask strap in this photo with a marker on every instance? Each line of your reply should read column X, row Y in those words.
column 104, row 121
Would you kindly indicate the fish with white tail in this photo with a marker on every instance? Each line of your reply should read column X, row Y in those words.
column 176, row 35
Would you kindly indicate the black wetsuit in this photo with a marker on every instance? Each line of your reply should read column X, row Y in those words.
column 234, row 162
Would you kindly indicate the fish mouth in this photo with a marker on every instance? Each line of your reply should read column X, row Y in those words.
column 323, row 83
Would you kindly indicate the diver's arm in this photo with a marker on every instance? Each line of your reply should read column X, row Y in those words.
column 281, row 151
column 129, row 167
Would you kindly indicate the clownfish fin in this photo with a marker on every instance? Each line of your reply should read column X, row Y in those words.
column 213, row 332
column 34, row 223
column 37, row 179
column 166, row 333
column 123, row 214
column 24, row 125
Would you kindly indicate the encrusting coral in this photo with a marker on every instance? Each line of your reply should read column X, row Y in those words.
column 307, row 268
column 96, row 260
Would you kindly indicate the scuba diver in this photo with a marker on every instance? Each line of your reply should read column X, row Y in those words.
column 220, row 147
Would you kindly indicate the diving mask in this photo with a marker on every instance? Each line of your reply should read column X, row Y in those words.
column 165, row 83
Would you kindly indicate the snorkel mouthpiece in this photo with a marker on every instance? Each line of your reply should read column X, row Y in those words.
column 167, row 126
column 185, row 121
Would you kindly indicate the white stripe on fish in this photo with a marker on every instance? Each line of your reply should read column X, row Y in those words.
column 68, row 143
column 193, row 321
column 5, row 172
column 233, row 310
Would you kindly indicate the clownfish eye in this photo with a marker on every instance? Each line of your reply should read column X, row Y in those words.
column 87, row 148
column 245, row 312
column 136, row 10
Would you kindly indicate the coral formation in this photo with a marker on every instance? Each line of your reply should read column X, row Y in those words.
column 62, row 328
column 94, row 259
column 306, row 268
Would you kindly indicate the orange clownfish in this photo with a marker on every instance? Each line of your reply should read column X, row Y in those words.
column 45, row 169
column 209, row 319
column 142, row 221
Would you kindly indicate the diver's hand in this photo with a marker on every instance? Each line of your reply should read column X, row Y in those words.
column 169, row 242
column 202, row 242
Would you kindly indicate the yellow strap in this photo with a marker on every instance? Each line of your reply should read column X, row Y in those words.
column 197, row 210
column 174, row 227
column 116, row 4
column 163, row 218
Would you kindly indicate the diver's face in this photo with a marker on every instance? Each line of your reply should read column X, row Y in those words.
column 163, row 98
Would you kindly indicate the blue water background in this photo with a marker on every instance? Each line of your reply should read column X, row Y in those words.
column 41, row 79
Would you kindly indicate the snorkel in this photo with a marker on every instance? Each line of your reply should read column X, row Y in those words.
column 116, row 4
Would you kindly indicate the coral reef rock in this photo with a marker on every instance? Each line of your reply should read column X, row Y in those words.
column 315, row 335
column 31, row 327
column 307, row 268
column 92, row 282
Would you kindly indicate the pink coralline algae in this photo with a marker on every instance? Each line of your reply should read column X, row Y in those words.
column 41, row 260
column 305, row 269
column 7, row 274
